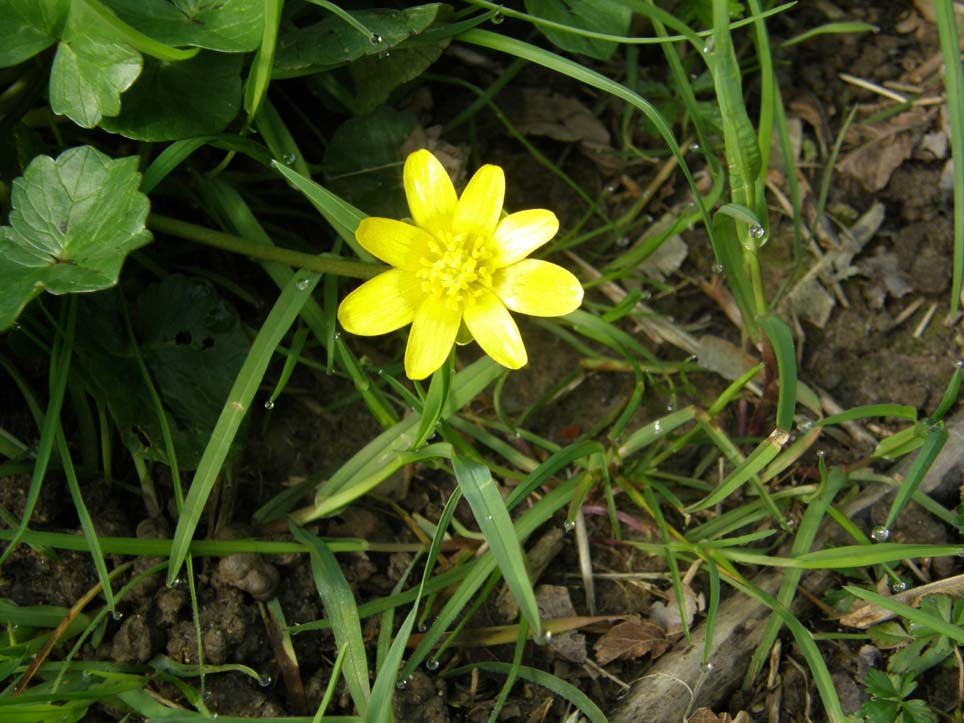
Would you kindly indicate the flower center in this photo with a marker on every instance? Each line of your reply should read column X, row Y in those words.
column 455, row 265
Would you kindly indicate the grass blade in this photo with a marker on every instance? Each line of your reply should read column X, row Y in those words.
column 482, row 494
column 276, row 325
column 342, row 611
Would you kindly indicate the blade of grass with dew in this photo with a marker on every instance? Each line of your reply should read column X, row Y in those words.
column 259, row 76
column 897, row 411
column 914, row 615
column 831, row 485
column 235, row 214
column 950, row 394
column 343, row 217
column 564, row 66
column 434, row 405
column 380, row 703
column 490, row 512
column 755, row 461
column 646, row 435
column 546, row 680
column 480, row 570
column 657, row 512
column 298, row 340
column 847, row 556
column 370, row 462
column 808, row 648
column 342, row 610
column 781, row 340
column 245, row 387
column 949, row 34
column 59, row 372
column 925, row 458
column 278, row 138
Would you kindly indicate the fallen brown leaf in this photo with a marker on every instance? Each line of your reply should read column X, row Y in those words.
column 630, row 640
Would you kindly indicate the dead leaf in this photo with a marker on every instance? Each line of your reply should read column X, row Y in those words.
column 631, row 640
column 668, row 615
column 453, row 158
column 554, row 602
column 666, row 259
column 873, row 163
column 560, row 117
column 883, row 268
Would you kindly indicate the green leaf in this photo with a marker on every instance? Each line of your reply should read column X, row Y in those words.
column 29, row 26
column 342, row 611
column 332, row 42
column 193, row 344
column 171, row 101
column 490, row 512
column 600, row 16
column 230, row 26
column 363, row 162
column 73, row 221
column 91, row 70
column 376, row 76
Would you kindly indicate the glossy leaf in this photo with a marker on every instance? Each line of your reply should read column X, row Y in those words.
column 73, row 222
column 29, row 26
column 231, row 26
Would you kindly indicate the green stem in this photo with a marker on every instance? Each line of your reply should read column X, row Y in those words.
column 263, row 252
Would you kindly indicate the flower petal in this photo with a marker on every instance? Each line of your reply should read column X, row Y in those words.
column 480, row 205
column 431, row 195
column 383, row 304
column 521, row 233
column 433, row 334
column 394, row 242
column 495, row 330
column 537, row 288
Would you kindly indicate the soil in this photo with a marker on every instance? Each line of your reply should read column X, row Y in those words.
column 870, row 350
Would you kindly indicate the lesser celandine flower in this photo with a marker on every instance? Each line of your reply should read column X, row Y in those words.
column 460, row 266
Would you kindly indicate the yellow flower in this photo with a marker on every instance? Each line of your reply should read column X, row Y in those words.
column 459, row 267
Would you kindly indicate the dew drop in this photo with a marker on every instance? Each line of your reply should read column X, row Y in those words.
column 375, row 38
column 708, row 47
column 695, row 147
column 303, row 284
column 622, row 242
column 757, row 232
column 611, row 188
column 569, row 525
column 657, row 427
column 706, row 668
column 431, row 665
column 265, row 680
column 805, row 425
column 86, row 675
column 401, row 684
column 336, row 336
column 960, row 364
column 498, row 18
column 213, row 716
column 289, row 159
column 269, row 404
column 717, row 268
column 117, row 615
column 423, row 628
column 382, row 56
column 821, row 453
column 547, row 637
column 898, row 586
column 880, row 534
column 644, row 295
column 669, row 407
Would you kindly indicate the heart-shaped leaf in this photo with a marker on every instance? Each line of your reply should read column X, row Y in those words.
column 230, row 26
column 29, row 26
column 91, row 70
column 72, row 223
column 190, row 98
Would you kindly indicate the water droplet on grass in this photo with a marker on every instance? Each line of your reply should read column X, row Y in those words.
column 706, row 668
column 880, row 534
column 375, row 38
column 431, row 665
column 302, row 284
column 269, row 404
column 289, row 159
column 498, row 18
column 401, row 684
column 657, row 426
column 117, row 615
column 695, row 147
column 569, row 525
column 717, row 268
column 898, row 586
column 757, row 232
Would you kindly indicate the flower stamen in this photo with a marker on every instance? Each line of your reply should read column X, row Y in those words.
column 454, row 266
